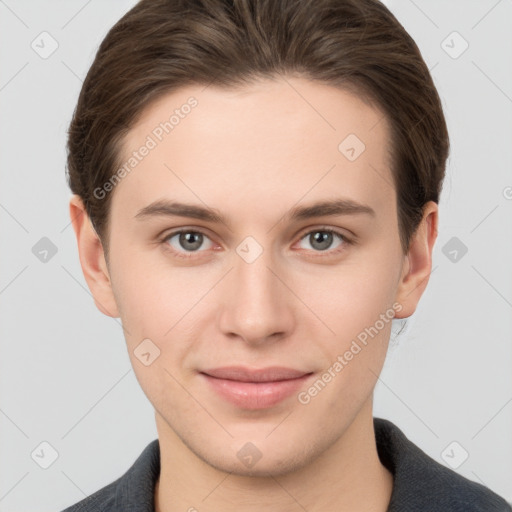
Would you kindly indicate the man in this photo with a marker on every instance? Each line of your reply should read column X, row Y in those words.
column 255, row 196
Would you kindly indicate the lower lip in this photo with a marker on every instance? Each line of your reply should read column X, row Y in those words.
column 255, row 395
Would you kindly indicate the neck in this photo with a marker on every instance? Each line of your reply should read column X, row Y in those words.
column 347, row 476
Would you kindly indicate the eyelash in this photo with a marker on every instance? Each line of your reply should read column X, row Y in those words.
column 191, row 254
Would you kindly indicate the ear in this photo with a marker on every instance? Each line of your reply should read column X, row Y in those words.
column 92, row 258
column 418, row 263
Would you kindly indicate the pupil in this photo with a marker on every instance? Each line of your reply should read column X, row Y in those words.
column 323, row 238
column 188, row 238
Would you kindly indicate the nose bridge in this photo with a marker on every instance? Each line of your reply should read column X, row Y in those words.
column 256, row 306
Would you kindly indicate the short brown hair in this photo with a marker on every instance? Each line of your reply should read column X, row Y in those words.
column 357, row 45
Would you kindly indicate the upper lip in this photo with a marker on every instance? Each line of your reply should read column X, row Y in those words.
column 269, row 374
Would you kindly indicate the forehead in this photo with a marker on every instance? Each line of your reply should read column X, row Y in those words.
column 271, row 143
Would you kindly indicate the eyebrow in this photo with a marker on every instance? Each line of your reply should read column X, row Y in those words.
column 332, row 207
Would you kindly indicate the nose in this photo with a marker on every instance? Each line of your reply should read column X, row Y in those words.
column 257, row 307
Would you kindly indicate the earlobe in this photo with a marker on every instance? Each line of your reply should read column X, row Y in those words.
column 418, row 265
column 92, row 258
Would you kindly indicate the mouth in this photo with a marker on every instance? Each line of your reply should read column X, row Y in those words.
column 255, row 388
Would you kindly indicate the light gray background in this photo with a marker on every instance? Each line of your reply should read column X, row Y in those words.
column 64, row 371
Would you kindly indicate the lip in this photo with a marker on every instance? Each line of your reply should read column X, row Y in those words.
column 255, row 388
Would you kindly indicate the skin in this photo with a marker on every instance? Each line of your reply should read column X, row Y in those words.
column 254, row 153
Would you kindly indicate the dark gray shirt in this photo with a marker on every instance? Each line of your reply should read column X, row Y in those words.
column 421, row 484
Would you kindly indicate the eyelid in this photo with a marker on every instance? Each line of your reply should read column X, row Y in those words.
column 184, row 229
column 329, row 229
column 346, row 240
column 183, row 254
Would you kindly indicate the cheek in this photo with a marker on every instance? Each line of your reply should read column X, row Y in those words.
column 356, row 302
column 153, row 296
column 158, row 303
column 358, row 307
column 351, row 297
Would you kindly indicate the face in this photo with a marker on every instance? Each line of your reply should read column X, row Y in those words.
column 258, row 233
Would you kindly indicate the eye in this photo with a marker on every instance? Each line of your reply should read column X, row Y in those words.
column 186, row 241
column 322, row 239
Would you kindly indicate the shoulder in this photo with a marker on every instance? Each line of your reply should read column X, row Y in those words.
column 102, row 500
column 133, row 491
column 423, row 484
